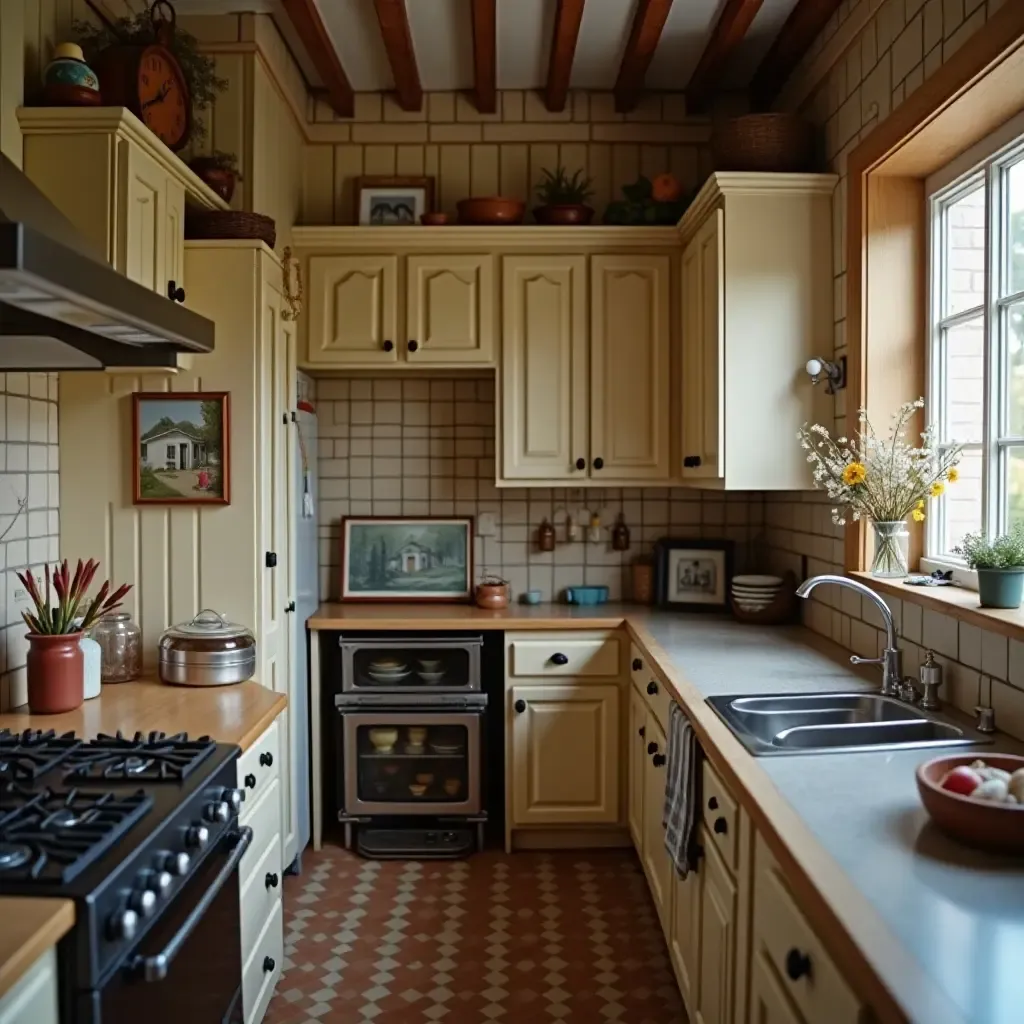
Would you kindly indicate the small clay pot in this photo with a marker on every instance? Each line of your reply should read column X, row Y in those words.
column 434, row 220
column 221, row 179
column 490, row 210
column 56, row 673
column 563, row 214
column 492, row 595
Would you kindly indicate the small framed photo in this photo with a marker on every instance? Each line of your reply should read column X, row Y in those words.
column 693, row 575
column 181, row 451
column 392, row 202
column 406, row 558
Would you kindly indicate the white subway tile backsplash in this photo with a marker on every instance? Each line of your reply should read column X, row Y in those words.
column 970, row 645
column 940, row 633
column 994, row 655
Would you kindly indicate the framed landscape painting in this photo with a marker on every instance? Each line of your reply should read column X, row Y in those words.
column 180, row 448
column 410, row 558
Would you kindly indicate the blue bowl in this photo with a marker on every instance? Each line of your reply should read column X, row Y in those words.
column 586, row 595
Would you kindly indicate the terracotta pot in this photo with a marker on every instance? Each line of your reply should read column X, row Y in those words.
column 563, row 213
column 490, row 210
column 220, row 179
column 56, row 672
column 492, row 595
column 434, row 220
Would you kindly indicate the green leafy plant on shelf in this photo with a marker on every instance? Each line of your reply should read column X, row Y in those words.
column 649, row 203
column 558, row 189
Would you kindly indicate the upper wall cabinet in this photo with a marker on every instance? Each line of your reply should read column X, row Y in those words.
column 757, row 304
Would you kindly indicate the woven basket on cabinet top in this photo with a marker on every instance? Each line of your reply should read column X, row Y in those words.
column 230, row 224
column 763, row 142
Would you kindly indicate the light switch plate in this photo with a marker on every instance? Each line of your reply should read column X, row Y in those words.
column 486, row 525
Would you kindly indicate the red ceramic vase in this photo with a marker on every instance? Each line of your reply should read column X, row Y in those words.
column 55, row 673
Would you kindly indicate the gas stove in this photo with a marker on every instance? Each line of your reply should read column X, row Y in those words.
column 127, row 827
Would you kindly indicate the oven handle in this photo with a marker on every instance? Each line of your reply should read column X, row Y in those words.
column 155, row 967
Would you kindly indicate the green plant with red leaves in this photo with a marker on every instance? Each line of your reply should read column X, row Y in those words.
column 71, row 597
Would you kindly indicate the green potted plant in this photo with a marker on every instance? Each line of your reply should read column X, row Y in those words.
column 55, row 661
column 219, row 170
column 564, row 199
column 999, row 565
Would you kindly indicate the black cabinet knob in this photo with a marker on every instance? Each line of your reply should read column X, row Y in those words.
column 289, row 607
column 652, row 747
column 270, row 560
column 599, row 463
column 250, row 781
column 388, row 346
column 266, row 759
column 271, row 880
column 581, row 463
column 721, row 826
column 413, row 345
column 652, row 687
column 175, row 292
column 713, row 804
column 559, row 659
column 641, row 731
column 696, row 461
column 659, row 760
column 637, row 664
column 269, row 963
column 520, row 706
column 688, row 461
column 798, row 965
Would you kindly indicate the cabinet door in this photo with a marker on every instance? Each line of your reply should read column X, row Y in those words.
column 174, row 234
column 703, row 351
column 717, row 939
column 450, row 309
column 565, row 754
column 684, row 938
column 655, row 856
column 636, row 748
column 769, row 1002
column 629, row 367
column 353, row 310
column 142, row 248
column 544, row 366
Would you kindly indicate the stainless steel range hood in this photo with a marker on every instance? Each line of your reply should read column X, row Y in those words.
column 62, row 307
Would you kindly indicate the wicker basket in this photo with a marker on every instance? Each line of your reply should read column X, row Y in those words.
column 763, row 142
column 230, row 224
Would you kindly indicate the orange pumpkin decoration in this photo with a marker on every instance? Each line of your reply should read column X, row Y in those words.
column 665, row 188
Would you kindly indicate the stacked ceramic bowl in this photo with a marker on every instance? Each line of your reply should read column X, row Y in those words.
column 755, row 593
column 385, row 670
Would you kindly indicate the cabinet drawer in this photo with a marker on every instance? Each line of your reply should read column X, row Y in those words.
column 782, row 933
column 257, row 897
column 720, row 814
column 265, row 822
column 557, row 656
column 263, row 968
column 258, row 767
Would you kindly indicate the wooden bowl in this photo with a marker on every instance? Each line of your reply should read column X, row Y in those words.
column 491, row 210
column 978, row 823
column 433, row 220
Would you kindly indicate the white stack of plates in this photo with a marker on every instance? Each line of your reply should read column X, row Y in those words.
column 387, row 670
column 755, row 593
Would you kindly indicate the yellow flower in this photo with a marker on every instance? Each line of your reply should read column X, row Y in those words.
column 854, row 474
column 920, row 503
column 936, row 488
column 917, row 515
column 953, row 475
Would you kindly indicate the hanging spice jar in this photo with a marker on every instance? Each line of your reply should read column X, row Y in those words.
column 546, row 536
column 620, row 535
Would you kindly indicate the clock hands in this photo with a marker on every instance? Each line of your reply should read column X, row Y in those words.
column 159, row 97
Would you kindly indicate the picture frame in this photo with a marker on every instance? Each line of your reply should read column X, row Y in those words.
column 407, row 558
column 693, row 575
column 181, row 448
column 392, row 201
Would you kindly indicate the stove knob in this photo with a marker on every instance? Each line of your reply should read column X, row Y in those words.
column 143, row 902
column 159, row 881
column 218, row 811
column 233, row 797
column 174, row 863
column 197, row 836
column 123, row 925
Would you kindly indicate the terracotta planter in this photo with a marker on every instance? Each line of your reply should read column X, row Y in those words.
column 220, row 179
column 563, row 213
column 492, row 595
column 56, row 670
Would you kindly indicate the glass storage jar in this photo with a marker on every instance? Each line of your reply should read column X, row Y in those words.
column 120, row 642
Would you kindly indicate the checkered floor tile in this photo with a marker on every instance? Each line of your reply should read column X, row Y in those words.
column 561, row 937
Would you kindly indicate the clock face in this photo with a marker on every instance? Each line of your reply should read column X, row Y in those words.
column 163, row 97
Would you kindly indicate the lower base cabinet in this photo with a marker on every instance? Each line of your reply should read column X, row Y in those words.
column 33, row 997
column 714, row 997
column 769, row 1002
column 657, row 864
column 684, row 939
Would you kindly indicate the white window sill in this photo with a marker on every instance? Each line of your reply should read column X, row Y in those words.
column 962, row 576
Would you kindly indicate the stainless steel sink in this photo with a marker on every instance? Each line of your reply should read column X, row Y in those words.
column 827, row 722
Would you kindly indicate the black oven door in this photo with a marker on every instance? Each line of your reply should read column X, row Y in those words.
column 188, row 967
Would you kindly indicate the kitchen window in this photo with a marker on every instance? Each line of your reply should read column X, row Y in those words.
column 976, row 340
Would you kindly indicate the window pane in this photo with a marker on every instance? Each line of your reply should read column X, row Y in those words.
column 961, row 505
column 1014, row 349
column 964, row 379
column 1013, row 486
column 964, row 258
column 1015, row 235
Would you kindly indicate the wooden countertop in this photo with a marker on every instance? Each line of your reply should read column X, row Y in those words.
column 30, row 927
column 230, row 714
column 373, row 615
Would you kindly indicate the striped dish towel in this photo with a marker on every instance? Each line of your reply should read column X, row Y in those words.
column 682, row 804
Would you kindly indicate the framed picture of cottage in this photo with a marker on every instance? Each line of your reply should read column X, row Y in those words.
column 180, row 448
column 406, row 558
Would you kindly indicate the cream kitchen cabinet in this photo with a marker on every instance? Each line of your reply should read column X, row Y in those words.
column 718, row 899
column 636, row 743
column 379, row 309
column 769, row 1001
column 756, row 283
column 684, row 937
column 33, row 998
column 654, row 855
column 564, row 747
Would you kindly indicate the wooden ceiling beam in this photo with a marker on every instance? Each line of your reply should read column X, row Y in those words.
column 729, row 32
column 802, row 27
column 563, row 48
column 648, row 23
column 484, row 17
column 394, row 29
column 312, row 33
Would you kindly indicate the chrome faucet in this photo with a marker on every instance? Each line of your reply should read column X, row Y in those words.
column 892, row 657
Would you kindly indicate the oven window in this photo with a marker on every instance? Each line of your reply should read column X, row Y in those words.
column 403, row 763
column 412, row 666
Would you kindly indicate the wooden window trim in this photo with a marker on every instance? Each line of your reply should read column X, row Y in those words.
column 975, row 91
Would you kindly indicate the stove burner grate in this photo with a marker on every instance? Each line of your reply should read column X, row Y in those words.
column 151, row 757
column 27, row 755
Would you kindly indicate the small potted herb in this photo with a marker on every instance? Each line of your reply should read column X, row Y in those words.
column 564, row 199
column 219, row 170
column 999, row 565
